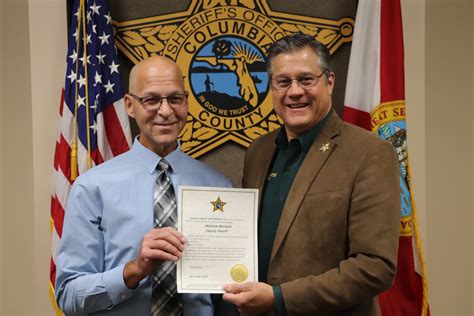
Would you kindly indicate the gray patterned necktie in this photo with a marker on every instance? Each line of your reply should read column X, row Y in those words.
column 165, row 299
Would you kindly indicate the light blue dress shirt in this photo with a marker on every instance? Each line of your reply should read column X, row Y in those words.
column 109, row 210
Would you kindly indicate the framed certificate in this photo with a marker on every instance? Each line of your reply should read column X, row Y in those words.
column 220, row 225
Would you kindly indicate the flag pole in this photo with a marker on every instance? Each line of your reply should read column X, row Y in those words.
column 418, row 243
column 84, row 41
column 74, row 164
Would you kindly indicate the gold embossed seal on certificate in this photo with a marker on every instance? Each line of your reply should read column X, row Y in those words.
column 239, row 273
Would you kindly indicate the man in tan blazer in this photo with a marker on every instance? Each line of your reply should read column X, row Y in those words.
column 330, row 199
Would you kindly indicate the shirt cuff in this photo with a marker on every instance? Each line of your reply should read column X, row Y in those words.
column 115, row 285
column 279, row 302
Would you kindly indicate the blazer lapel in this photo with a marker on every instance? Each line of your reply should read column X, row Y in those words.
column 319, row 152
column 263, row 164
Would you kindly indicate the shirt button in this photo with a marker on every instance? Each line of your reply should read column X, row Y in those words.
column 282, row 198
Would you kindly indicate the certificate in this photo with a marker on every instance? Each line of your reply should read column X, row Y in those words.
column 220, row 225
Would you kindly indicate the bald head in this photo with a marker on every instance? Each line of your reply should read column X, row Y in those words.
column 154, row 68
column 155, row 85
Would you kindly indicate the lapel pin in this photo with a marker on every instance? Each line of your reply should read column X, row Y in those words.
column 324, row 147
column 271, row 175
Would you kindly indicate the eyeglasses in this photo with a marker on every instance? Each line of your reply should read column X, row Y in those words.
column 154, row 102
column 304, row 82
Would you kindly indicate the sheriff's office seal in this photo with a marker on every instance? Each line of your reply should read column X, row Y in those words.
column 239, row 273
column 221, row 47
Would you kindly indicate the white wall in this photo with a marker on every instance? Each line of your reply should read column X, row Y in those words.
column 413, row 16
column 449, row 156
column 1, row 143
column 33, row 49
column 18, row 243
column 48, row 40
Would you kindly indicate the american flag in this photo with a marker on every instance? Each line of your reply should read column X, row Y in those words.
column 93, row 125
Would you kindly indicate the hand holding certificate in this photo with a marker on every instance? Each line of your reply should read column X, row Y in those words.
column 220, row 225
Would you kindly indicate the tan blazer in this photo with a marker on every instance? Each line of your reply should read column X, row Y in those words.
column 336, row 245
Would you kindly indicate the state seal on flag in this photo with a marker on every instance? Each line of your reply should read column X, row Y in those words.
column 389, row 122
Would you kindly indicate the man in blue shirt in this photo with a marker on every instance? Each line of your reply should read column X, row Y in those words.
column 109, row 247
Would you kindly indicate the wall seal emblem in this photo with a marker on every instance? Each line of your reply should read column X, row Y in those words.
column 221, row 46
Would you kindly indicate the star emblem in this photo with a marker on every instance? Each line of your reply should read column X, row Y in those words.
column 104, row 38
column 324, row 147
column 76, row 34
column 87, row 59
column 100, row 57
column 109, row 87
column 218, row 205
column 73, row 56
column 80, row 101
column 95, row 8
column 113, row 67
column 108, row 18
column 81, row 81
column 94, row 127
column 72, row 76
column 98, row 78
column 88, row 39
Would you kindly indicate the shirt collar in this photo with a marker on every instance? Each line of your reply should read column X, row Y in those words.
column 149, row 159
column 305, row 140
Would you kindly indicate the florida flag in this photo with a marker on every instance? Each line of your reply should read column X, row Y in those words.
column 375, row 100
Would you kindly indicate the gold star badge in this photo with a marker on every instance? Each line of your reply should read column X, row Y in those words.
column 218, row 205
column 324, row 147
